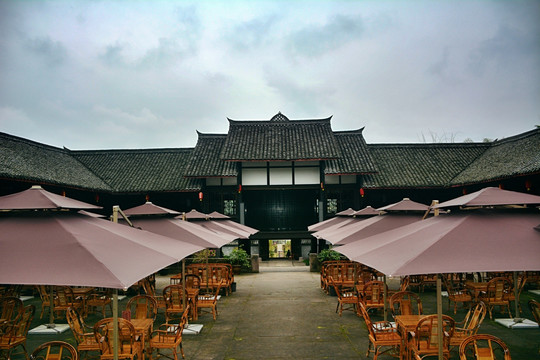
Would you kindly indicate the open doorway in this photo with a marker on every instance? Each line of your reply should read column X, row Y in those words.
column 279, row 249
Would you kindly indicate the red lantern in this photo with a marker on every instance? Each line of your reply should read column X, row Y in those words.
column 200, row 196
column 464, row 191
column 239, row 188
column 147, row 197
column 362, row 193
column 322, row 186
column 528, row 184
column 64, row 193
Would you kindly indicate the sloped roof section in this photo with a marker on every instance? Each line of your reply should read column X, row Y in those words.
column 280, row 139
column 420, row 165
column 517, row 155
column 356, row 158
column 27, row 160
column 205, row 161
column 140, row 170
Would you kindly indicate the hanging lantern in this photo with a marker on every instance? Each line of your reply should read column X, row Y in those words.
column 464, row 191
column 64, row 193
column 528, row 184
column 322, row 186
column 200, row 196
column 240, row 188
column 147, row 197
column 97, row 198
column 362, row 193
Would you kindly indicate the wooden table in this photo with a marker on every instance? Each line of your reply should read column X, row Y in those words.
column 143, row 328
column 476, row 288
column 83, row 293
column 405, row 324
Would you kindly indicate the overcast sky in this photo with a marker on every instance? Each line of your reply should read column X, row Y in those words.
column 150, row 74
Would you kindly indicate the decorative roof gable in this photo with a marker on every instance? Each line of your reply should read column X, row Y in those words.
column 280, row 139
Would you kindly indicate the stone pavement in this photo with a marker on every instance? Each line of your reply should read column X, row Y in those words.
column 279, row 313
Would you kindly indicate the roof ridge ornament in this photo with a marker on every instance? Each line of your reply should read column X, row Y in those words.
column 279, row 117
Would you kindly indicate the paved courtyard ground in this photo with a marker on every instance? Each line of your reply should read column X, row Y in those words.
column 282, row 313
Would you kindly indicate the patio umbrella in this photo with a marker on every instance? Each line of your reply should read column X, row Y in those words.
column 323, row 233
column 367, row 211
column 471, row 241
column 405, row 205
column 491, row 196
column 224, row 219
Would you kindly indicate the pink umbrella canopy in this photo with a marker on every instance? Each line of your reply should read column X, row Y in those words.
column 491, row 196
column 405, row 205
column 158, row 220
column 346, row 212
column 79, row 250
column 330, row 228
column 195, row 215
column 369, row 227
column 221, row 219
column 36, row 198
column 150, row 209
column 367, row 211
column 479, row 241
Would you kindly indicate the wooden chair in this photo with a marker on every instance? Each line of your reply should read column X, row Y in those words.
column 521, row 281
column 55, row 350
column 129, row 344
column 11, row 309
column 483, row 346
column 406, row 303
column 45, row 299
column 193, row 281
column 142, row 307
column 169, row 336
column 347, row 297
column 150, row 290
column 373, row 295
column 64, row 299
column 173, row 295
column 14, row 334
column 209, row 301
column 535, row 309
column 100, row 299
column 423, row 341
column 456, row 295
column 381, row 334
column 84, row 334
column 497, row 295
column 470, row 325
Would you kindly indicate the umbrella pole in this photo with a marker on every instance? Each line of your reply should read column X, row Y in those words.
column 184, row 284
column 439, row 318
column 115, row 322
column 516, row 297
column 385, row 309
column 51, row 324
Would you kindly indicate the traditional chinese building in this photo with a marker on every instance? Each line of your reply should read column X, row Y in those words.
column 276, row 175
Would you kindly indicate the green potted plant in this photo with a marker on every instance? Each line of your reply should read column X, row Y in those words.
column 239, row 259
column 328, row 254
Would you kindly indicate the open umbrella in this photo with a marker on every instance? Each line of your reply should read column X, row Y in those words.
column 491, row 196
column 226, row 220
column 51, row 244
column 468, row 241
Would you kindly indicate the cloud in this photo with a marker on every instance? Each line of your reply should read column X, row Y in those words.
column 52, row 53
column 251, row 34
column 318, row 40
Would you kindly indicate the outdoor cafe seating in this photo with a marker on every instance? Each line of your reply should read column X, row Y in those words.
column 209, row 301
column 372, row 295
column 470, row 324
column 130, row 344
column 169, row 336
column 423, row 340
column 83, row 333
column 11, row 308
column 55, row 350
column 14, row 333
column 381, row 334
column 496, row 294
column 405, row 303
column 455, row 295
column 483, row 346
column 347, row 297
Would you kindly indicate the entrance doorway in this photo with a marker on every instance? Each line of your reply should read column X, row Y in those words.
column 279, row 249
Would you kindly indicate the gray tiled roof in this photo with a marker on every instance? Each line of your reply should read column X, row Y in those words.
column 205, row 161
column 140, row 170
column 420, row 165
column 508, row 157
column 280, row 139
column 26, row 160
column 355, row 158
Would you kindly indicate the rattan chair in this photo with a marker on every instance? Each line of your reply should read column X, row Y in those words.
column 173, row 295
column 100, row 299
column 55, row 350
column 14, row 333
column 470, row 325
column 381, row 334
column 406, row 303
column 142, row 307
column 497, row 295
column 456, row 295
column 64, row 299
column 11, row 309
column 45, row 299
column 372, row 295
column 169, row 336
column 347, row 298
column 483, row 346
column 209, row 301
column 129, row 344
column 84, row 334
column 535, row 309
column 423, row 341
